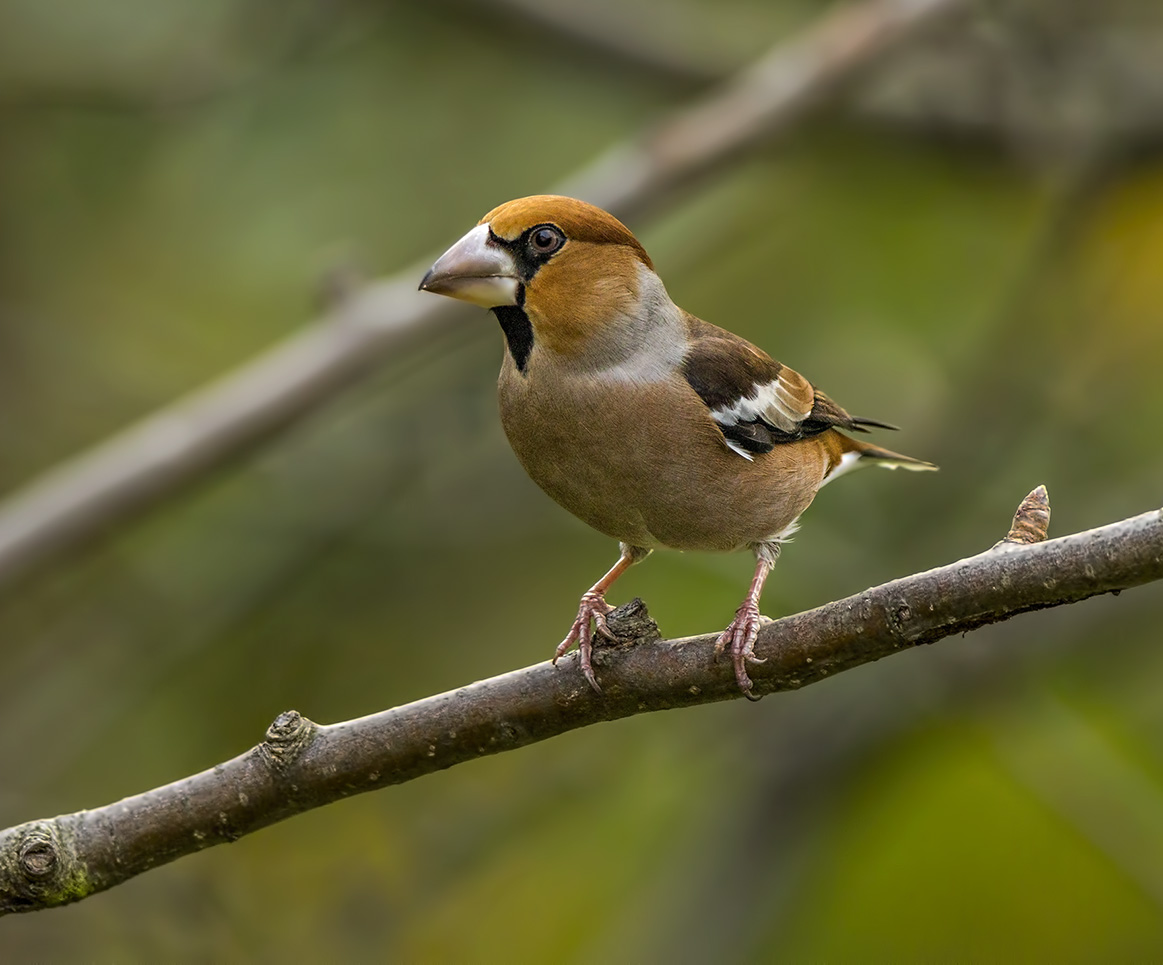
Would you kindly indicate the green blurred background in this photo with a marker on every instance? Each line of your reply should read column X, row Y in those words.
column 963, row 250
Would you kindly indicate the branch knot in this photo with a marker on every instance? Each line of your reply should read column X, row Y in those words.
column 633, row 622
column 38, row 853
column 1031, row 521
column 287, row 737
column 39, row 868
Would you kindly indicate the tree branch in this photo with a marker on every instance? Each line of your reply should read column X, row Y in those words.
column 302, row 765
column 175, row 447
column 597, row 31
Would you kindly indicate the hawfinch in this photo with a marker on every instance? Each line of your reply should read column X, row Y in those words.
column 651, row 425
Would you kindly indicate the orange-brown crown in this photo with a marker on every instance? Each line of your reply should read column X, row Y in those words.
column 578, row 220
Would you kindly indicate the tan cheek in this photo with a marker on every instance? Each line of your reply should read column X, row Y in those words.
column 573, row 299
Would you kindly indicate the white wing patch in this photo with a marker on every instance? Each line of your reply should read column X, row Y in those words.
column 773, row 402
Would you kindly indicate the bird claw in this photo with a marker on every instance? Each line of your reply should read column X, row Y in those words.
column 592, row 608
column 739, row 638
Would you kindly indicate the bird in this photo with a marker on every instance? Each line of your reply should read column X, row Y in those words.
column 656, row 428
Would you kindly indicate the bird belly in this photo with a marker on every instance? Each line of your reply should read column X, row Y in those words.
column 654, row 470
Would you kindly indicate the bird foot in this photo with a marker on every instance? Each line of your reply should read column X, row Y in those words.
column 739, row 638
column 593, row 608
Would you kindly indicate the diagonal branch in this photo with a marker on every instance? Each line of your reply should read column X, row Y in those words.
column 594, row 29
column 302, row 765
column 178, row 445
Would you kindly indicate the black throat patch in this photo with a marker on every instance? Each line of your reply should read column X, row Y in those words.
column 518, row 333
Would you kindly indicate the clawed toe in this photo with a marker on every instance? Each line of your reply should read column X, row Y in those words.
column 739, row 638
column 592, row 609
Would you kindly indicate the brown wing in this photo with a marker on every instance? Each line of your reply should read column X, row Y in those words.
column 757, row 402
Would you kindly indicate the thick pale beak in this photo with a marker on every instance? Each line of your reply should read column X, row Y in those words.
column 475, row 270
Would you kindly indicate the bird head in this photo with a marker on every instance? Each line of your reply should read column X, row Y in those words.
column 564, row 268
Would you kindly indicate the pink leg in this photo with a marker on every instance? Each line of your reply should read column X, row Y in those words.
column 593, row 607
column 739, row 637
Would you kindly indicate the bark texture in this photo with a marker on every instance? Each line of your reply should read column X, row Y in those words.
column 302, row 765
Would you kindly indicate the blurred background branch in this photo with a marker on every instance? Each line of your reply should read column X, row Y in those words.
column 1047, row 81
column 173, row 448
column 303, row 765
column 605, row 30
column 978, row 216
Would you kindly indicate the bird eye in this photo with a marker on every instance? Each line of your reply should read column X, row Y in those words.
column 546, row 239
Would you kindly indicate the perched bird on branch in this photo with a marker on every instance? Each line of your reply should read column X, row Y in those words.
column 653, row 426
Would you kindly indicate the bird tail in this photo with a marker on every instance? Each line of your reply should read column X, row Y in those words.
column 854, row 454
column 876, row 456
